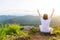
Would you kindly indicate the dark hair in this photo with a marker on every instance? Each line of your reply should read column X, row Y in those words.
column 45, row 16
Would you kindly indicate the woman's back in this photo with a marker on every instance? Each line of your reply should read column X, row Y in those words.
column 45, row 22
column 45, row 25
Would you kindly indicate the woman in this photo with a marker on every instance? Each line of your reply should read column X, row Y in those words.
column 45, row 22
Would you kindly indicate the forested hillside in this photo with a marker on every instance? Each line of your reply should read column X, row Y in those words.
column 26, row 20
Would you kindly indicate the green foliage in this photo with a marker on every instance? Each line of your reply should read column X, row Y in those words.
column 13, row 30
column 56, row 29
column 33, row 30
column 2, row 34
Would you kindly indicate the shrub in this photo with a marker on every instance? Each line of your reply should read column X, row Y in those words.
column 33, row 30
column 12, row 29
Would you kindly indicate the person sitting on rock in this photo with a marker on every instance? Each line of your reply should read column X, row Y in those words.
column 45, row 22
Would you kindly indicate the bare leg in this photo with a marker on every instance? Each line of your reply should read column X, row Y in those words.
column 51, row 30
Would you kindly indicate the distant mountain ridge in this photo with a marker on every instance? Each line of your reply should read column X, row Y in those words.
column 25, row 20
column 5, row 17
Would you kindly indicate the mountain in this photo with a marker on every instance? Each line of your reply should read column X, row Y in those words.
column 3, row 18
column 26, row 20
column 55, row 20
column 23, row 20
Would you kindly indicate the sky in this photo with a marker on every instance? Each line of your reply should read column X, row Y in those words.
column 29, row 7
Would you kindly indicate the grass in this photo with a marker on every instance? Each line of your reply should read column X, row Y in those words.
column 11, row 31
column 56, row 32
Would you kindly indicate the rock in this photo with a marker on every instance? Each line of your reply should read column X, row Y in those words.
column 27, row 28
column 20, row 38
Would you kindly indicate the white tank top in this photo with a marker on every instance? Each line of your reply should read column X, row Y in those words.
column 45, row 25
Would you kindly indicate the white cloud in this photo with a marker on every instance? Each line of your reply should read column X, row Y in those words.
column 29, row 6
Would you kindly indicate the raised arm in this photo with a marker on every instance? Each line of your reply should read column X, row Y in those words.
column 52, row 13
column 38, row 13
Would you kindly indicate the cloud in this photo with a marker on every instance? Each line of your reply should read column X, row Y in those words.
column 28, row 6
